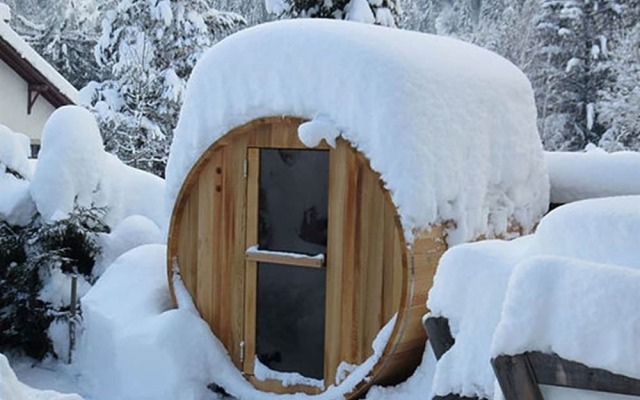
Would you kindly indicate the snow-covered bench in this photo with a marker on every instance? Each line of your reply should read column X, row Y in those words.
column 473, row 280
column 568, row 323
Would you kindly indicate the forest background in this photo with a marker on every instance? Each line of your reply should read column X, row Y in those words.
column 132, row 58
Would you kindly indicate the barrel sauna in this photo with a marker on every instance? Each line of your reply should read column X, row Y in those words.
column 365, row 273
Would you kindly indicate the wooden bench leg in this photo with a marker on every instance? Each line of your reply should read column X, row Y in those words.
column 516, row 377
column 439, row 335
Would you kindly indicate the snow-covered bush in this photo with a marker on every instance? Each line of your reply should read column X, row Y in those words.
column 55, row 223
column 24, row 318
column 29, row 257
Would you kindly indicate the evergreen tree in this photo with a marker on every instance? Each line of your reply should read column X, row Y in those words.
column 619, row 97
column 150, row 47
column 570, row 68
column 28, row 256
column 63, row 32
column 381, row 12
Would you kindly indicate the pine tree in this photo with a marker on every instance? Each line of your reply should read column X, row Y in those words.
column 619, row 96
column 67, row 40
column 381, row 12
column 150, row 47
column 63, row 32
column 570, row 68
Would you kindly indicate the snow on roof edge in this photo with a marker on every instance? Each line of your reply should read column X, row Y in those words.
column 27, row 52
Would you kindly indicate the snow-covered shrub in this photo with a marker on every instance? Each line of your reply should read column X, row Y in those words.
column 29, row 257
column 24, row 318
column 70, row 244
column 54, row 223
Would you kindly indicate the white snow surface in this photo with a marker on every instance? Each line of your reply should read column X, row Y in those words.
column 450, row 127
column 12, row 389
column 469, row 289
column 32, row 57
column 74, row 170
column 135, row 348
column 5, row 12
column 16, row 206
column 473, row 280
column 15, row 151
column 113, row 353
column 605, row 230
column 594, row 173
column 580, row 310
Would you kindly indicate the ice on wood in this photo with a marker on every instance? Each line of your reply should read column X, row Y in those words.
column 450, row 127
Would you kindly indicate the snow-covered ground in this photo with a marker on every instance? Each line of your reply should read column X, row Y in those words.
column 133, row 346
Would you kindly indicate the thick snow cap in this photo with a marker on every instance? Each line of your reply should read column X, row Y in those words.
column 449, row 126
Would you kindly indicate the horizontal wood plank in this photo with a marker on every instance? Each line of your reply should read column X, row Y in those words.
column 295, row 259
column 551, row 369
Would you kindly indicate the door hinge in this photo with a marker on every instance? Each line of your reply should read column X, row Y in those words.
column 245, row 168
column 242, row 352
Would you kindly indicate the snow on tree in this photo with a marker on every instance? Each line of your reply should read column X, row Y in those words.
column 64, row 32
column 570, row 69
column 150, row 47
column 618, row 104
column 381, row 12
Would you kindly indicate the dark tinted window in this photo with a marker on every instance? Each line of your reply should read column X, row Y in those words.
column 293, row 200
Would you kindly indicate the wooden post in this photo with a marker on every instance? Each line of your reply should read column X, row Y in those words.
column 73, row 313
column 516, row 377
column 439, row 334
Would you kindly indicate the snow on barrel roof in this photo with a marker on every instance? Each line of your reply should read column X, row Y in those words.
column 13, row 46
column 450, row 127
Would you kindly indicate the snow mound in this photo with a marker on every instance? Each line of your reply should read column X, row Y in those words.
column 600, row 230
column 580, row 310
column 12, row 389
column 70, row 163
column 132, row 290
column 469, row 289
column 591, row 174
column 130, row 233
column 16, row 207
column 14, row 152
column 450, row 127
column 74, row 170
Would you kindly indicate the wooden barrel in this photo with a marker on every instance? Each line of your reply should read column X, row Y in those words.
column 368, row 273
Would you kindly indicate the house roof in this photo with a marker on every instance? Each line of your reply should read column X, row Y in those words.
column 450, row 127
column 34, row 69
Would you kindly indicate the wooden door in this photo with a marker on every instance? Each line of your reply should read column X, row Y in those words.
column 287, row 212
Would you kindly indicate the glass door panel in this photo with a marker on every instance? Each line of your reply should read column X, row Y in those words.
column 293, row 200
column 290, row 319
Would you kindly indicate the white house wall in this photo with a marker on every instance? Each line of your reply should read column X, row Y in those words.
column 14, row 95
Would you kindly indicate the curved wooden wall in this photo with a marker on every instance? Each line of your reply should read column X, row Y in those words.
column 371, row 274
